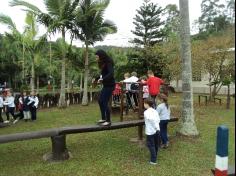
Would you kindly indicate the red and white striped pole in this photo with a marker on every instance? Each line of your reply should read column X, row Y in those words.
column 221, row 165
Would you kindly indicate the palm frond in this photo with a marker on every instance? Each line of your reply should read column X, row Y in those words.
column 100, row 5
column 89, row 18
column 45, row 19
column 60, row 49
column 40, row 43
column 6, row 20
column 25, row 4
column 55, row 7
column 31, row 27
column 108, row 27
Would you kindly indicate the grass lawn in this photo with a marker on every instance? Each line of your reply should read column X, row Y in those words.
column 111, row 152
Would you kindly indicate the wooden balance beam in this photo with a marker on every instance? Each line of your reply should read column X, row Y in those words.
column 94, row 128
column 28, row 135
column 58, row 136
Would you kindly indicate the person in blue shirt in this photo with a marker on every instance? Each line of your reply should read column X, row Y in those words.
column 163, row 110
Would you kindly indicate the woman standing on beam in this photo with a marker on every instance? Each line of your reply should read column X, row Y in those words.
column 106, row 65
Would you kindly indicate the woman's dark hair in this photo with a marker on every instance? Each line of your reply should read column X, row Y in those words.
column 103, row 58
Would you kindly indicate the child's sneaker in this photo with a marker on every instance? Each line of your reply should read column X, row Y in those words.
column 15, row 121
column 153, row 163
column 101, row 121
column 106, row 124
column 6, row 121
column 164, row 146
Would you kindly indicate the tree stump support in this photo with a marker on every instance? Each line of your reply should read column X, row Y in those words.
column 59, row 150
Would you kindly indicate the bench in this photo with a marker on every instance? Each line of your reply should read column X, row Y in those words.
column 58, row 136
column 219, row 100
column 199, row 99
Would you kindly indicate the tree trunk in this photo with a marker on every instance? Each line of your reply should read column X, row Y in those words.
column 50, row 57
column 210, row 98
column 81, row 82
column 177, row 84
column 62, row 99
column 213, row 93
column 23, row 62
column 228, row 97
column 188, row 126
column 85, row 90
column 32, row 80
column 37, row 84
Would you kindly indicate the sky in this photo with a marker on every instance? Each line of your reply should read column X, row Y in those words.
column 121, row 12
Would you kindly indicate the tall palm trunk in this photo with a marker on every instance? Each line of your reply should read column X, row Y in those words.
column 37, row 84
column 23, row 62
column 188, row 126
column 62, row 99
column 81, row 82
column 32, row 80
column 85, row 90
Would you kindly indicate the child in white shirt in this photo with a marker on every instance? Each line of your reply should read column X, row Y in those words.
column 152, row 129
column 163, row 110
column 33, row 104
column 9, row 102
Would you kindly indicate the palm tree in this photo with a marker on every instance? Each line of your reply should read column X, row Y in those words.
column 188, row 126
column 59, row 17
column 15, row 37
column 60, row 49
column 89, row 27
column 31, row 45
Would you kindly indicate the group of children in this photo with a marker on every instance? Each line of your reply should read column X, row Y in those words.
column 27, row 107
column 151, row 88
column 156, row 121
column 156, row 115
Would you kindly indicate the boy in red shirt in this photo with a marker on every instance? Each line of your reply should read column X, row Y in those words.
column 154, row 84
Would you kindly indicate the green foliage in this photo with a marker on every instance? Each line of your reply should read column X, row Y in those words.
column 230, row 11
column 89, row 25
column 60, row 13
column 10, row 55
column 215, row 59
column 153, row 34
column 5, row 19
column 148, row 25
column 24, row 87
column 172, row 22
column 215, row 18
